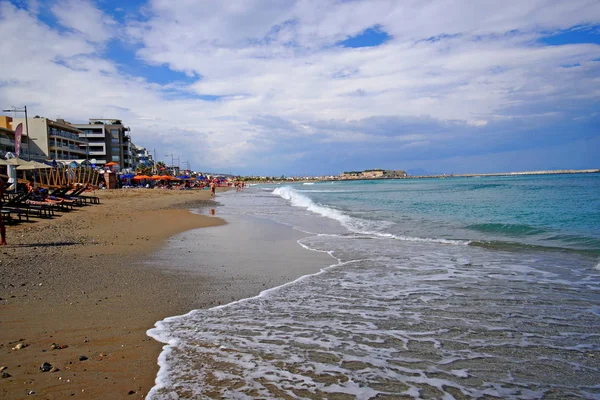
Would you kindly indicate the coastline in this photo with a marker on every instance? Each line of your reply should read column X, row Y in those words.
column 75, row 280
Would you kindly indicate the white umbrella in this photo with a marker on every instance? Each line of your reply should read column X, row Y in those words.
column 13, row 161
column 33, row 165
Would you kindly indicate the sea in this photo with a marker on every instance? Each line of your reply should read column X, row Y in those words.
column 449, row 288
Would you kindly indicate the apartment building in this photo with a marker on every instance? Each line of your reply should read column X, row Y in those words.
column 100, row 141
column 143, row 157
column 48, row 139
column 7, row 136
column 107, row 141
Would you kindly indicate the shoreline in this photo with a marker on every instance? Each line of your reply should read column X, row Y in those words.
column 75, row 280
column 98, row 278
column 254, row 255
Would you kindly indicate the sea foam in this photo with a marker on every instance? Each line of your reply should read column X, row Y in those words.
column 353, row 224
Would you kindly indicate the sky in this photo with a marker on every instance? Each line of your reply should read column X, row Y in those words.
column 318, row 87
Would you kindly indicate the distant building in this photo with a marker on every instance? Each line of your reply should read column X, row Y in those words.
column 144, row 158
column 374, row 174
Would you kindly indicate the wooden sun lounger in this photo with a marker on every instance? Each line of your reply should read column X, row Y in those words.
column 78, row 196
column 20, row 202
column 7, row 213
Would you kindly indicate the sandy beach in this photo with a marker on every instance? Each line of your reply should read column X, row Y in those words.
column 74, row 281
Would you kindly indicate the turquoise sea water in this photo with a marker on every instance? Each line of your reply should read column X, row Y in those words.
column 457, row 288
column 555, row 211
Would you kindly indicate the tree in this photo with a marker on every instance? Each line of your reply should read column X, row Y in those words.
column 143, row 170
column 160, row 166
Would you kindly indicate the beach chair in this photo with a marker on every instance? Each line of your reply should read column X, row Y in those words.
column 63, row 193
column 6, row 215
column 20, row 202
column 77, row 194
column 12, row 205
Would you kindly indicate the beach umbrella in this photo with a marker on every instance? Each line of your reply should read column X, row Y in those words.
column 15, row 162
column 141, row 177
column 110, row 164
column 33, row 165
column 157, row 177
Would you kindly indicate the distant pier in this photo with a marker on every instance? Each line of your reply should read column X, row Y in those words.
column 548, row 172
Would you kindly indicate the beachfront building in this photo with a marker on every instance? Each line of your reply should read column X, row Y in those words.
column 48, row 139
column 7, row 141
column 106, row 140
column 129, row 163
column 7, row 136
column 144, row 158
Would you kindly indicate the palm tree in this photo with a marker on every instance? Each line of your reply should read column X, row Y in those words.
column 143, row 170
column 160, row 166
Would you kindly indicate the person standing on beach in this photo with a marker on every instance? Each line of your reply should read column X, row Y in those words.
column 213, row 187
column 2, row 228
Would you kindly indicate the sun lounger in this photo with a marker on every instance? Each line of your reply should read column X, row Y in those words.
column 7, row 213
column 20, row 202
column 77, row 195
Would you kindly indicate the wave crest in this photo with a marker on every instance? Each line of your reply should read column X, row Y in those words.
column 355, row 225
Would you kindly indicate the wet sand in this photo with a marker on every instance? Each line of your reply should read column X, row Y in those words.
column 97, row 278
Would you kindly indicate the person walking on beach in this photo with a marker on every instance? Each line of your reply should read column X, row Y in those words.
column 2, row 228
column 213, row 187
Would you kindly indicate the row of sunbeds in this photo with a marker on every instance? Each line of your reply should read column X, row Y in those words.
column 24, row 205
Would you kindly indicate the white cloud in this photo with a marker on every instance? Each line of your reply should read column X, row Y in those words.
column 85, row 18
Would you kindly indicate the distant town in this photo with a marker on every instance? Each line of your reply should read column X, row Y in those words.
column 377, row 174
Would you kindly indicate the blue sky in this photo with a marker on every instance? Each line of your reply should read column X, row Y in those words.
column 318, row 87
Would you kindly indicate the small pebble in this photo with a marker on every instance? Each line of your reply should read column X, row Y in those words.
column 82, row 358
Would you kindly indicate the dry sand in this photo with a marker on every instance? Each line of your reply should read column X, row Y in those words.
column 73, row 281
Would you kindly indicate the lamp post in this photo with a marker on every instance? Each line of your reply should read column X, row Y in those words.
column 22, row 109
column 172, row 162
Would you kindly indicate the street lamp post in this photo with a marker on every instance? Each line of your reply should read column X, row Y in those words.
column 172, row 162
column 23, row 109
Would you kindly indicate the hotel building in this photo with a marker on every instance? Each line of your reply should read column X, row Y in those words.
column 144, row 158
column 107, row 141
column 48, row 139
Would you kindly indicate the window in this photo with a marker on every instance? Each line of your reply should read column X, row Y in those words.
column 116, row 158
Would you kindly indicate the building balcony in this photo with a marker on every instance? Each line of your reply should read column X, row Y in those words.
column 65, row 147
column 64, row 134
column 99, row 135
